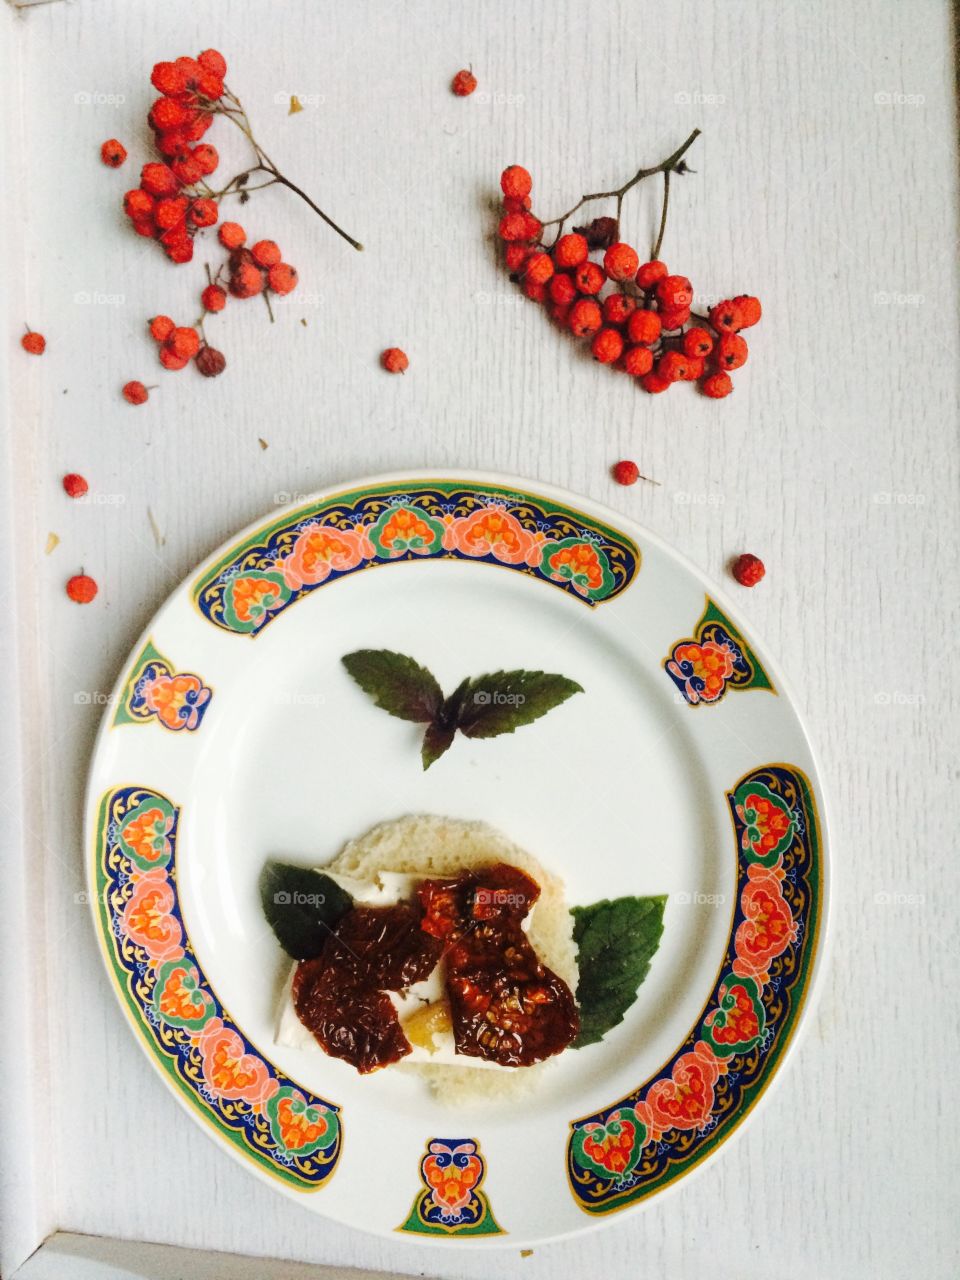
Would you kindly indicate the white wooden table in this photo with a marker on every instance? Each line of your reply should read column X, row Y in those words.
column 827, row 183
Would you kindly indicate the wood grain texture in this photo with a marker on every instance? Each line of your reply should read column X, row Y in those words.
column 826, row 182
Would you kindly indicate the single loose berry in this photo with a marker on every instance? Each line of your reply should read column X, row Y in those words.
column 204, row 213
column 463, row 83
column 266, row 253
column 698, row 341
column 750, row 310
column 539, row 268
column 562, row 290
column 34, row 343
column 210, row 362
column 673, row 366
column 637, row 361
column 717, row 385
column 607, row 346
column 748, row 570
column 161, row 328
column 589, row 278
column 674, row 293
column 673, row 318
column 138, row 203
column 135, row 393
column 394, row 360
column 571, row 250
column 231, row 235
column 654, row 384
column 626, row 472
column 113, row 153
column 621, row 261
column 585, row 318
column 516, row 181
column 213, row 298
column 81, row 588
column 159, row 179
column 206, row 157
column 246, row 280
column 726, row 317
column 515, row 255
column 644, row 327
column 213, row 61
column 170, row 360
column 184, row 342
column 651, row 273
column 282, row 278
column 74, row 486
column 618, row 308
column 731, row 352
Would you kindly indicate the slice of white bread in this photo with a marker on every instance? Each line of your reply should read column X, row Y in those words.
column 428, row 845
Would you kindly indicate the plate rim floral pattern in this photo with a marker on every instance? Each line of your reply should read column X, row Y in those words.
column 639, row 539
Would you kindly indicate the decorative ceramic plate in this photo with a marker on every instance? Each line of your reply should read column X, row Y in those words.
column 235, row 735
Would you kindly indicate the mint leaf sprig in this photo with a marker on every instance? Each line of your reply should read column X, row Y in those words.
column 616, row 941
column 480, row 706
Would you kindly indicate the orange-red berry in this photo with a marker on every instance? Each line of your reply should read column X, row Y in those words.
column 282, row 278
column 651, row 273
column 170, row 360
column 266, row 253
column 698, row 341
column 159, row 179
column 213, row 298
column 213, row 61
column 515, row 255
column 607, row 346
column 672, row 366
column 674, row 293
column 539, row 268
column 516, row 204
column 74, row 485
column 81, row 588
column 184, row 342
column 748, row 570
column 516, row 181
column 626, row 472
column 621, row 261
column 135, row 393
column 637, row 361
column 671, row 318
column 463, row 83
column 534, row 290
column 204, row 213
column 726, row 317
column 138, row 203
column 246, row 280
column 695, row 368
column 186, row 170
column 161, row 328
column 168, row 77
column 171, row 212
column 169, row 113
column 571, row 250
column 585, row 318
column 750, row 310
column 34, row 343
column 731, row 352
column 562, row 290
column 717, row 385
column 653, row 383
column 231, row 235
column 394, row 360
column 513, row 226
column 113, row 153
column 206, row 157
column 589, row 278
column 644, row 327
column 618, row 308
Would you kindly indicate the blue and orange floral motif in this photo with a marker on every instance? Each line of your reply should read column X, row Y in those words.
column 285, row 1130
column 156, row 692
column 715, row 659
column 452, row 1204
column 652, row 1136
column 366, row 528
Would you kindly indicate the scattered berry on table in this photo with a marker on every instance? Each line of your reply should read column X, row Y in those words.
column 113, row 153
column 74, row 486
column 232, row 235
column 394, row 360
column 135, row 393
column 34, row 343
column 266, row 253
column 463, row 83
column 748, row 570
column 210, row 362
column 213, row 298
column 626, row 472
column 282, row 278
column 81, row 588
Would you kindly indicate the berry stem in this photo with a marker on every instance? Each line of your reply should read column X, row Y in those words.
column 665, row 167
column 663, row 215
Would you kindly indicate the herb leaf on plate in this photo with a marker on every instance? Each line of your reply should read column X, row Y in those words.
column 396, row 683
column 479, row 707
column 616, row 940
column 504, row 700
column 301, row 906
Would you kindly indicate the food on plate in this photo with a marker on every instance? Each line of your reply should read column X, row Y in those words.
column 440, row 946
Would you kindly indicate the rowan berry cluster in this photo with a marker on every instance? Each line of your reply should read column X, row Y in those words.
column 179, row 344
column 637, row 316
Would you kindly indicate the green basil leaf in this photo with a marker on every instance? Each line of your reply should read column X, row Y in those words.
column 504, row 700
column 616, row 941
column 302, row 906
column 396, row 683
